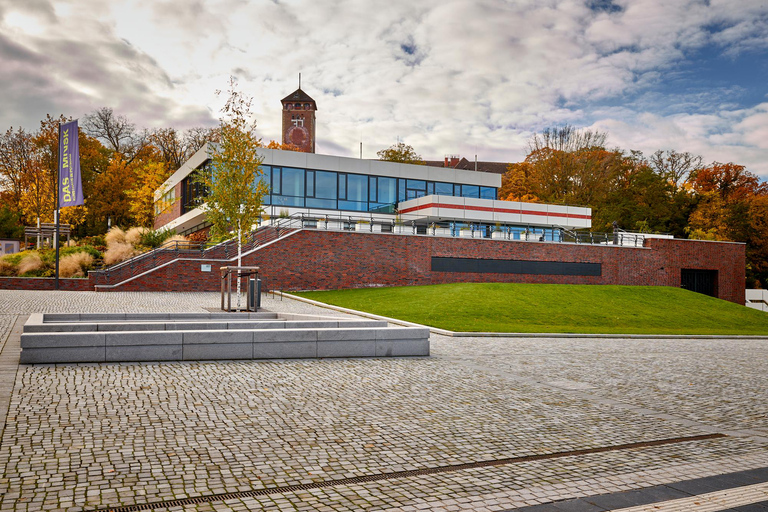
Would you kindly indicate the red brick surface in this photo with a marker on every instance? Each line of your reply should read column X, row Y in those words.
column 330, row 260
column 44, row 283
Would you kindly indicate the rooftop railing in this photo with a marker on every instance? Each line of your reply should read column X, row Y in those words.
column 281, row 226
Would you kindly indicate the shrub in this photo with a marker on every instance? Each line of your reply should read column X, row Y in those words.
column 117, row 252
column 177, row 238
column 7, row 268
column 30, row 262
column 155, row 238
column 115, row 236
column 66, row 251
column 14, row 259
column 75, row 265
column 94, row 241
column 134, row 235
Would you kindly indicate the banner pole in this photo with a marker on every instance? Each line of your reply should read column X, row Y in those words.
column 56, row 196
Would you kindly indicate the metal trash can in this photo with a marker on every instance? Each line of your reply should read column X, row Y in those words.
column 251, row 296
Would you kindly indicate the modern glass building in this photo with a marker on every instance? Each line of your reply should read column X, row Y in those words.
column 323, row 185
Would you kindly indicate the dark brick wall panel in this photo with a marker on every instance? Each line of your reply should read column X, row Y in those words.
column 44, row 283
column 318, row 260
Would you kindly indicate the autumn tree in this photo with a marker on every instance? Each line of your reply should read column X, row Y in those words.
column 564, row 165
column 675, row 167
column 732, row 207
column 401, row 152
column 149, row 176
column 517, row 183
column 17, row 154
column 273, row 144
column 232, row 179
column 116, row 132
column 175, row 148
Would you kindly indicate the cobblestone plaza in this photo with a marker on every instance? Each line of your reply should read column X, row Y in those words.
column 546, row 419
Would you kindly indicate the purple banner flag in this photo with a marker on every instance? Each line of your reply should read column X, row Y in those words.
column 70, row 187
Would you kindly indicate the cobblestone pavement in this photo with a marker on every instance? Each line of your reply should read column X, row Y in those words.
column 81, row 437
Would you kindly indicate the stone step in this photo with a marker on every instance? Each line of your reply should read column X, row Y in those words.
column 56, row 339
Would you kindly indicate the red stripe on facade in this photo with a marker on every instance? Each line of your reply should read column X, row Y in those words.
column 496, row 210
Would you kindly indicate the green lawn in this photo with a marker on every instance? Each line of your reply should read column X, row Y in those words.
column 507, row 307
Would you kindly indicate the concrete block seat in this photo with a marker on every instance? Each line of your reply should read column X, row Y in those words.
column 104, row 337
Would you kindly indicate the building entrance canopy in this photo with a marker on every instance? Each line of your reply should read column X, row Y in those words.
column 435, row 208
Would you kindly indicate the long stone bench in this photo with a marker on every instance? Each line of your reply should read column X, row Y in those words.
column 90, row 337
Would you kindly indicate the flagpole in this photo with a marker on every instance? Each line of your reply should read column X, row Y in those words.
column 56, row 196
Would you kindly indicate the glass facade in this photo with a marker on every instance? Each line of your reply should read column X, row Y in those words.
column 307, row 188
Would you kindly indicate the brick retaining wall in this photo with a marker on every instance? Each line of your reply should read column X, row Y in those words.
column 44, row 283
column 330, row 260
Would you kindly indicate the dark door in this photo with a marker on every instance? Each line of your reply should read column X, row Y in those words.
column 699, row 281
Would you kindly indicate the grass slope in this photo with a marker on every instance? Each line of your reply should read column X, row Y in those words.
column 508, row 307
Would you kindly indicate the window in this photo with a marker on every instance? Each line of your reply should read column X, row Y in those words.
column 357, row 187
column 310, row 183
column 470, row 191
column 276, row 173
column 487, row 193
column 444, row 189
column 324, row 188
column 165, row 202
column 415, row 188
column 325, row 185
column 387, row 190
column 266, row 178
column 293, row 182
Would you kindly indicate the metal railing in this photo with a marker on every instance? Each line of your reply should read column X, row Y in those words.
column 276, row 227
column 371, row 223
column 173, row 250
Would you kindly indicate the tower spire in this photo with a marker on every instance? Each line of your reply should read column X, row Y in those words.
column 299, row 80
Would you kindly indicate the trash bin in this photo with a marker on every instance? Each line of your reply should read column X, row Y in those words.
column 252, row 295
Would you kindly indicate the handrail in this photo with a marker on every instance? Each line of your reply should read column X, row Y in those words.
column 281, row 226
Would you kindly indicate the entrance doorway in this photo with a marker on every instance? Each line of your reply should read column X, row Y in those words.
column 699, row 281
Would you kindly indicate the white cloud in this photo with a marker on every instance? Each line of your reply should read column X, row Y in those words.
column 739, row 136
column 446, row 76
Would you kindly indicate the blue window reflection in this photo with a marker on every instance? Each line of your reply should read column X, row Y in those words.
column 293, row 182
column 356, row 192
column 387, row 190
column 310, row 183
column 357, row 187
column 487, row 193
column 276, row 173
column 355, row 206
column 325, row 185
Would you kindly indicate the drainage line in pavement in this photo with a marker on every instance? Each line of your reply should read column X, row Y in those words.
column 400, row 474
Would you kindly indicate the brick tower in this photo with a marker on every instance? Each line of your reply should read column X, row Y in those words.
column 299, row 120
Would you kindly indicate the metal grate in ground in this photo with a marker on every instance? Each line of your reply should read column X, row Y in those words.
column 399, row 474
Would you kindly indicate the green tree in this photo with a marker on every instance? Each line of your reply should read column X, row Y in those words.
column 10, row 223
column 234, row 190
column 400, row 152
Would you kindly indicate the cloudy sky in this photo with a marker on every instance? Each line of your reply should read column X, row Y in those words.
column 446, row 76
